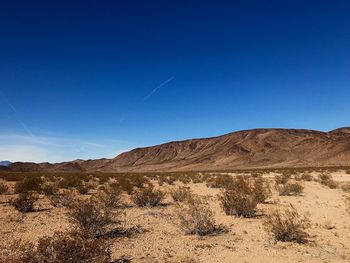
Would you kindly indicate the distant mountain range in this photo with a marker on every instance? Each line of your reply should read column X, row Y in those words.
column 5, row 163
column 257, row 148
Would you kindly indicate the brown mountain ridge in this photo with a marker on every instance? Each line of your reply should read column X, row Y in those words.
column 257, row 148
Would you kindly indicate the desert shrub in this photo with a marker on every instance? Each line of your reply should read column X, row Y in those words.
column 83, row 189
column 91, row 216
column 180, row 194
column 148, row 196
column 138, row 180
column 196, row 217
column 184, row 178
column 25, row 202
column 30, row 183
column 3, row 188
column 327, row 180
column 111, row 196
column 61, row 199
column 70, row 181
column 236, row 203
column 283, row 178
column 346, row 187
column 306, row 177
column 125, row 185
column 290, row 188
column 288, row 226
column 49, row 188
column 220, row 181
column 261, row 189
column 239, row 198
column 72, row 247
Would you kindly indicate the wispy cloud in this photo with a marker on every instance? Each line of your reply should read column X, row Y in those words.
column 23, row 147
column 158, row 87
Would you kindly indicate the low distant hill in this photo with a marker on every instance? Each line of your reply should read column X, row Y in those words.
column 257, row 148
column 5, row 163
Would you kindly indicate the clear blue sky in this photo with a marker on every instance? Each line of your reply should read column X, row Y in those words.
column 88, row 79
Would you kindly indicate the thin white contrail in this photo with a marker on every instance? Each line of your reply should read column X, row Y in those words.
column 25, row 128
column 158, row 87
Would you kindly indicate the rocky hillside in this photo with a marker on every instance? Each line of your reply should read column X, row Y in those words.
column 242, row 149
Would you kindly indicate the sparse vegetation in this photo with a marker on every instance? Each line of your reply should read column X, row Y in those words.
column 28, row 184
column 283, row 178
column 288, row 226
column 290, row 188
column 239, row 198
column 327, row 180
column 72, row 247
column 196, row 218
column 148, row 196
column 91, row 216
column 346, row 187
column 180, row 194
column 3, row 188
column 25, row 202
column 261, row 189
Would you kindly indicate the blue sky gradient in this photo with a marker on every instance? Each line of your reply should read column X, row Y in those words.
column 89, row 79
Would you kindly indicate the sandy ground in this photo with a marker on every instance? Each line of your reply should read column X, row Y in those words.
column 162, row 240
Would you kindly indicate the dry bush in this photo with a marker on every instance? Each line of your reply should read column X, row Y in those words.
column 49, row 188
column 327, row 180
column 180, row 194
column 235, row 203
column 111, row 196
column 261, row 189
column 290, row 188
column 83, row 189
column 70, row 247
column 25, row 202
column 28, row 184
column 3, row 188
column 71, row 181
column 239, row 198
column 148, row 196
column 283, row 178
column 91, row 216
column 196, row 217
column 346, row 187
column 62, row 199
column 288, row 226
column 306, row 177
column 184, row 178
column 220, row 181
column 125, row 185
